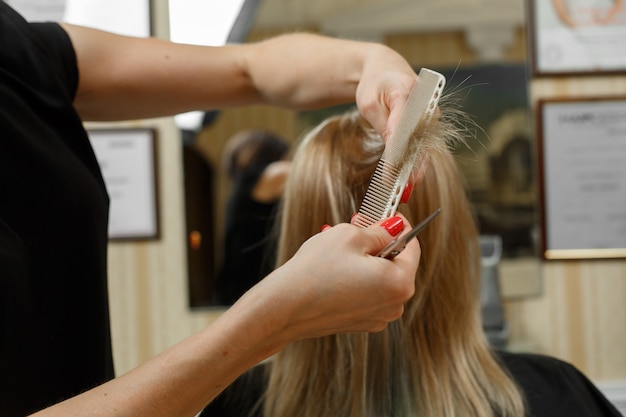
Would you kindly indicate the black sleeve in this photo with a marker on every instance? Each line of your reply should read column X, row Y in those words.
column 243, row 398
column 553, row 388
column 38, row 54
column 59, row 51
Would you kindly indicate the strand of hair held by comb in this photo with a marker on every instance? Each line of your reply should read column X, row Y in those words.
column 414, row 135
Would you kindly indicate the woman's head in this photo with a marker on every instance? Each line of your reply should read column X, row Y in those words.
column 434, row 360
column 331, row 171
column 250, row 150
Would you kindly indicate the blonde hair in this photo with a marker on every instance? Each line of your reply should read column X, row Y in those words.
column 435, row 360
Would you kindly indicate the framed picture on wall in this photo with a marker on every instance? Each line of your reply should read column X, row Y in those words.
column 582, row 167
column 577, row 36
column 127, row 161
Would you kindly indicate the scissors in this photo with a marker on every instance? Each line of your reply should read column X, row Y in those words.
column 394, row 248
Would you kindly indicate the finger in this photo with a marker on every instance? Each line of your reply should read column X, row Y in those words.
column 377, row 115
column 376, row 323
column 383, row 232
column 395, row 102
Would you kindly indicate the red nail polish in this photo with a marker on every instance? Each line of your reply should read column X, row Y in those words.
column 406, row 194
column 394, row 225
column 325, row 227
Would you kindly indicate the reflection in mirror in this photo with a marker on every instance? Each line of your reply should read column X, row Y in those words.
column 498, row 162
column 498, row 165
column 202, row 22
column 256, row 165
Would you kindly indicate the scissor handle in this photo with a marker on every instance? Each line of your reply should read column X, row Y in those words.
column 394, row 248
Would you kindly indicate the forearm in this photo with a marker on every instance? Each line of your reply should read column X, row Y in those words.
column 128, row 78
column 122, row 78
column 183, row 379
column 304, row 70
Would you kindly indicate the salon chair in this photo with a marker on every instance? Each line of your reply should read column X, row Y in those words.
column 494, row 323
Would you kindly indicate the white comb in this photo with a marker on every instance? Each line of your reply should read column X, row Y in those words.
column 394, row 168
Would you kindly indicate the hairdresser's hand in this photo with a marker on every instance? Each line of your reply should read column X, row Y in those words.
column 386, row 81
column 335, row 283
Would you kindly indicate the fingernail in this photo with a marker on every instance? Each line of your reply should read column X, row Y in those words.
column 326, row 227
column 352, row 217
column 406, row 194
column 393, row 225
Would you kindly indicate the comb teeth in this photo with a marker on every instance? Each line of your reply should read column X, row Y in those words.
column 378, row 199
column 394, row 168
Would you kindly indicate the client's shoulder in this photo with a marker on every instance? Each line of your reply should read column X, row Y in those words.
column 554, row 387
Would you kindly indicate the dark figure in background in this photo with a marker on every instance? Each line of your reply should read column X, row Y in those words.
column 255, row 162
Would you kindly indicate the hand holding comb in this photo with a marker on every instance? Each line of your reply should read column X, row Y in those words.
column 402, row 150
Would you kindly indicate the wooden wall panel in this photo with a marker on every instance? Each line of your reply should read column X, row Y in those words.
column 579, row 317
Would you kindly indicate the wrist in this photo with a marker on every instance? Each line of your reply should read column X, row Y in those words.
column 259, row 323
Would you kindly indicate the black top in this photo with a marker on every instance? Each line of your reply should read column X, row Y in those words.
column 552, row 388
column 54, row 321
column 249, row 245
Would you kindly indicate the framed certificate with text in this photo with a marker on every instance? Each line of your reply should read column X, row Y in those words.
column 582, row 167
column 577, row 36
column 127, row 160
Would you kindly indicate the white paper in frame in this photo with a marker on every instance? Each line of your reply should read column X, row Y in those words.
column 582, row 152
column 127, row 159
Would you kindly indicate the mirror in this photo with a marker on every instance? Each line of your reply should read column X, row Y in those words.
column 453, row 37
column 498, row 163
column 209, row 23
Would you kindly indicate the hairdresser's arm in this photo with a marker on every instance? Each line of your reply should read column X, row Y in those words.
column 129, row 78
column 331, row 285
